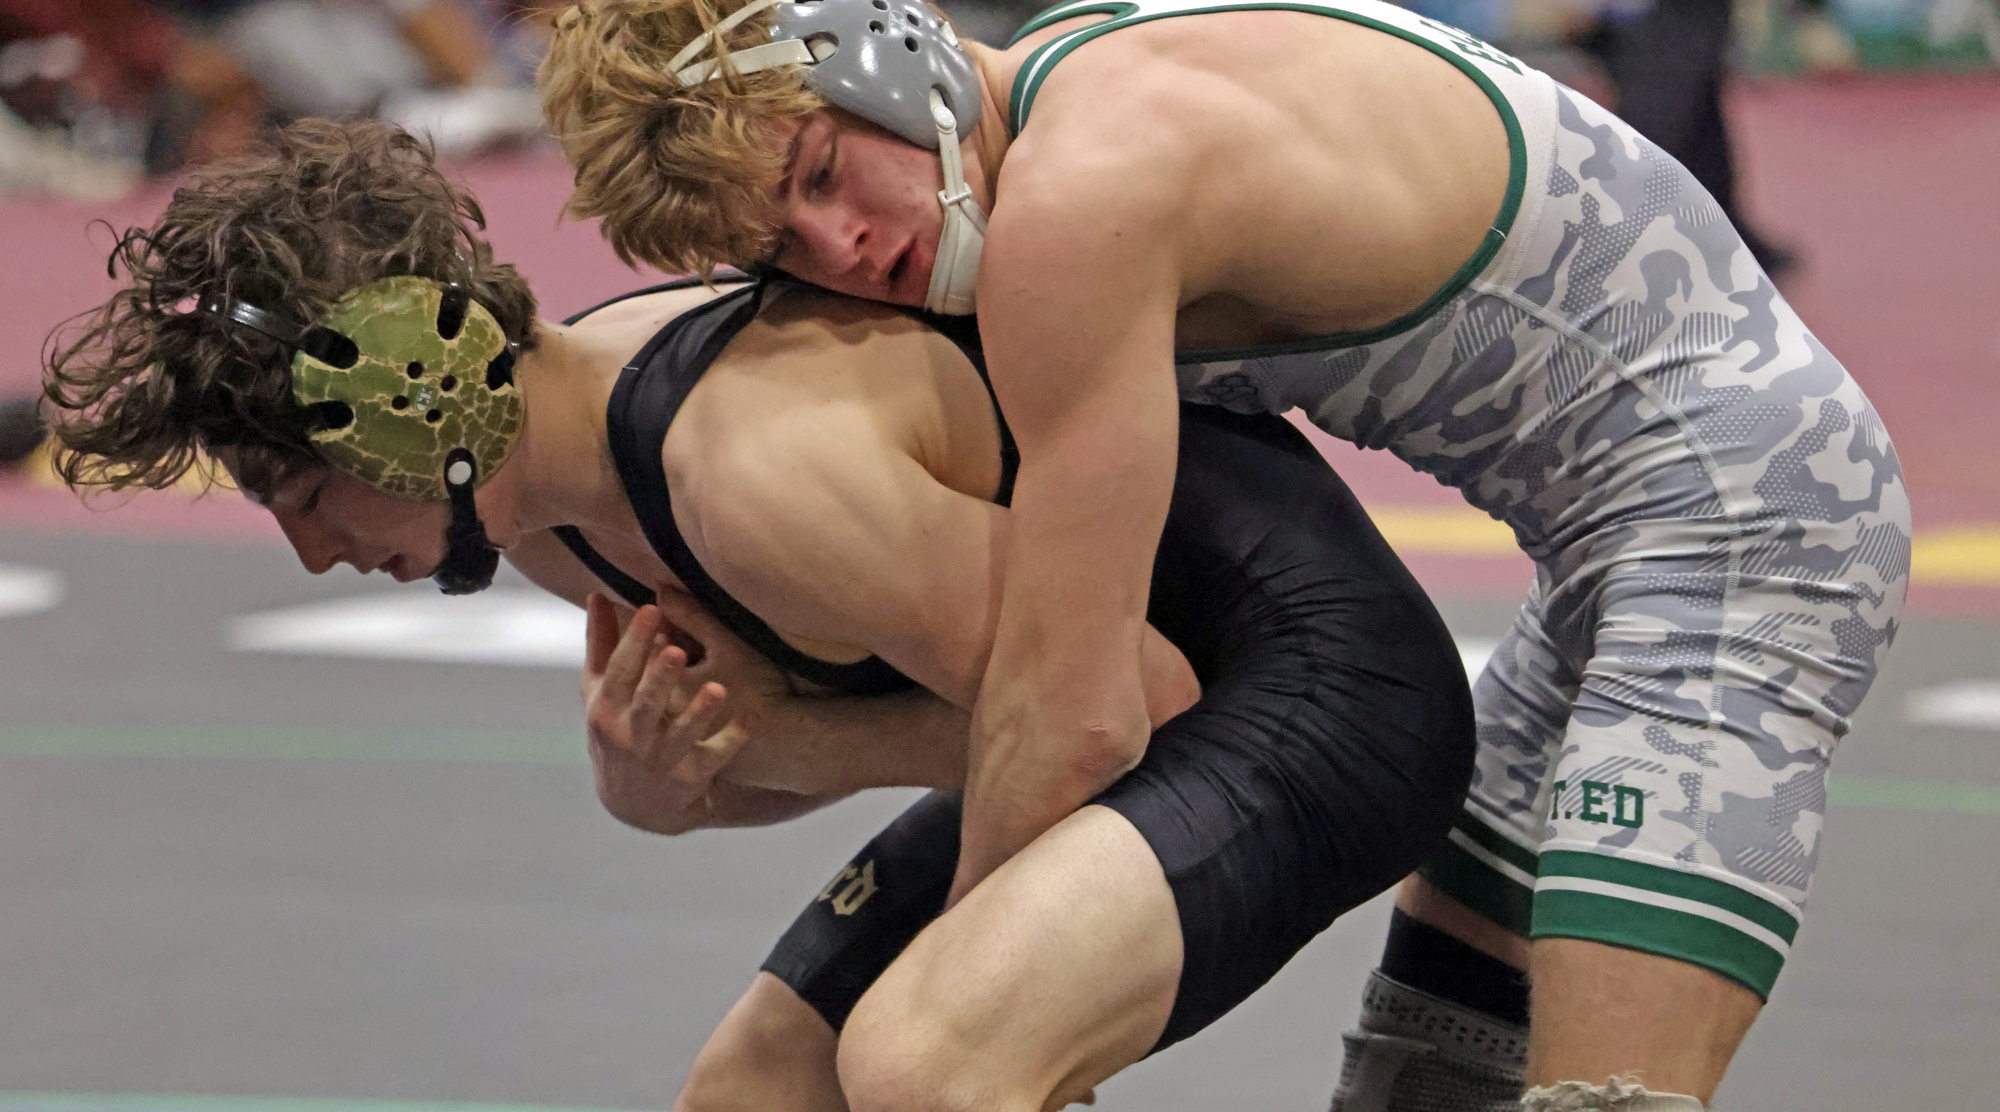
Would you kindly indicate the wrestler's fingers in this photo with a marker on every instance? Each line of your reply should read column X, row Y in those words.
column 657, row 700
column 690, row 617
column 716, row 742
column 628, row 661
column 605, row 625
column 601, row 633
column 690, row 729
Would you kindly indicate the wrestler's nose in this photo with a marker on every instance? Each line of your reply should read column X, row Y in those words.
column 837, row 238
column 317, row 549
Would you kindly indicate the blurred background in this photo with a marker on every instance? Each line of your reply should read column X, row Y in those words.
column 272, row 842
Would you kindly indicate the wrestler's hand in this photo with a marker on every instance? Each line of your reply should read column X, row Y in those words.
column 820, row 746
column 757, row 700
column 656, row 743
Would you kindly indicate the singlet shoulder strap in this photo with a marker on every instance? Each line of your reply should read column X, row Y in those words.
column 635, row 593
column 964, row 331
column 1028, row 79
column 724, row 276
column 648, row 396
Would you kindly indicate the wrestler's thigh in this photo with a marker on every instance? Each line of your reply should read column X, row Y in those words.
column 1056, row 972
column 771, row 1053
column 1522, row 700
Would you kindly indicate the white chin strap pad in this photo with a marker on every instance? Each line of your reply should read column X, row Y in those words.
column 955, row 271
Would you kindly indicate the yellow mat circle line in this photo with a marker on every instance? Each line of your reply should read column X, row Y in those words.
column 1443, row 531
column 1958, row 555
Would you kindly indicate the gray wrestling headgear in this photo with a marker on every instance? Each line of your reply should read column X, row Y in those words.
column 895, row 63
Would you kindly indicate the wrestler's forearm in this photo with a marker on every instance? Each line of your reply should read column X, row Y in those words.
column 740, row 805
column 1063, row 710
column 840, row 745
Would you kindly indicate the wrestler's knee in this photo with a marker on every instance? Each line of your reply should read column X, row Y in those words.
column 916, row 1045
column 772, row 1053
column 899, row 1055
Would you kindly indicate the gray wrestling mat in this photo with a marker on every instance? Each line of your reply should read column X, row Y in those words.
column 258, row 880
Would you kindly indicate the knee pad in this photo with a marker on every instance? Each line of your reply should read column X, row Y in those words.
column 1417, row 1053
column 1615, row 1095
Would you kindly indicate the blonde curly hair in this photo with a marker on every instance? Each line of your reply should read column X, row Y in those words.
column 682, row 176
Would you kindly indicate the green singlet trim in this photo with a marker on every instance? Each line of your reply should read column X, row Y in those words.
column 1474, row 883
column 1035, row 70
column 1693, row 887
column 1694, row 939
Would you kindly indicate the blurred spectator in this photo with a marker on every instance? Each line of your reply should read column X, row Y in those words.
column 76, row 79
column 94, row 91
column 430, row 65
column 21, row 430
column 1667, row 61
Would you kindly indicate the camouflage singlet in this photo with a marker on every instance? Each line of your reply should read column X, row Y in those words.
column 1719, row 522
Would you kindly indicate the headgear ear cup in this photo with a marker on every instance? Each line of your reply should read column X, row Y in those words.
column 425, row 384
column 410, row 385
column 415, row 393
column 895, row 63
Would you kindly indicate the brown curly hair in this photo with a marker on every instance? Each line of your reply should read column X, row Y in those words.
column 138, row 389
column 681, row 175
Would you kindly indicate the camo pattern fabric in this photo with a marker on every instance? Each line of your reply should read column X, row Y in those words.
column 415, row 395
column 1719, row 522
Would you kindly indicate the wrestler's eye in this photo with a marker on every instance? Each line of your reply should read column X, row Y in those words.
column 823, row 177
column 311, row 503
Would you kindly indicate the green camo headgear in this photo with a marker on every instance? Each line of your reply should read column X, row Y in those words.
column 403, row 373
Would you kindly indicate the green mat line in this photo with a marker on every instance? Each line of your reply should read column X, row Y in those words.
column 536, row 747
column 557, row 747
column 149, row 1102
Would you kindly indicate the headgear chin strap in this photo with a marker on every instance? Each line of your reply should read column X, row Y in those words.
column 895, row 63
column 955, row 270
column 469, row 558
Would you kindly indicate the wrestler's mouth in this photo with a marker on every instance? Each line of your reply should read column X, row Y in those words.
column 399, row 570
column 899, row 270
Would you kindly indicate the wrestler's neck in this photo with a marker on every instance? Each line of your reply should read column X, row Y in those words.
column 558, row 473
column 986, row 148
column 997, row 69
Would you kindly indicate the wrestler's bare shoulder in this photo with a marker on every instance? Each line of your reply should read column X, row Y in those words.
column 814, row 366
column 811, row 415
column 1324, row 175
